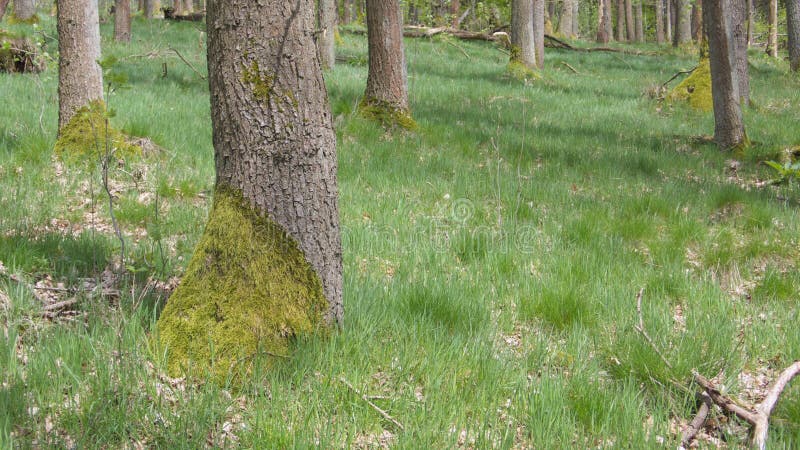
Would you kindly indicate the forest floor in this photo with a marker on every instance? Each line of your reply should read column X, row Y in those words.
column 492, row 260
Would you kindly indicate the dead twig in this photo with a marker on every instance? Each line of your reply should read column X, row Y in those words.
column 188, row 63
column 60, row 305
column 698, row 422
column 564, row 63
column 383, row 413
column 641, row 329
column 682, row 72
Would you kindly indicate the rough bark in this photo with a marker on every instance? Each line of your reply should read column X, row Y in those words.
column 603, row 21
column 728, row 125
column 326, row 37
column 620, row 20
column 24, row 9
column 387, row 81
column 3, row 6
column 738, row 20
column 538, row 31
column 683, row 26
column 523, row 49
column 793, row 31
column 697, row 21
column 630, row 26
column 660, row 22
column 122, row 20
column 565, row 23
column 772, row 20
column 639, row 16
column 80, row 78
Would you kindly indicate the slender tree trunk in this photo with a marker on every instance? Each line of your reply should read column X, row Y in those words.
column 188, row 6
column 728, row 125
column 538, row 31
column 659, row 22
column 177, row 5
column 576, row 23
column 387, row 81
column 697, row 21
column 565, row 23
column 603, row 21
column 327, row 33
column 683, row 28
column 122, row 20
column 149, row 8
column 620, row 20
column 3, row 6
column 751, row 22
column 738, row 22
column 455, row 9
column 523, row 48
column 345, row 12
column 80, row 79
column 668, row 13
column 772, row 44
column 793, row 30
column 639, row 17
column 630, row 25
column 24, row 9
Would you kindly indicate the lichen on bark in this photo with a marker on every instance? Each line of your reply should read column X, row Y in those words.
column 248, row 288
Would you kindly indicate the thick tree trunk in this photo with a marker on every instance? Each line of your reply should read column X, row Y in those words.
column 738, row 21
column 620, row 20
column 630, row 26
column 80, row 79
column 659, row 22
column 327, row 33
column 728, row 125
column 387, row 80
column 3, row 6
column 122, row 20
column 772, row 43
column 697, row 21
column 565, row 23
column 149, row 8
column 639, row 16
column 793, row 30
column 603, row 21
column 24, row 9
column 538, row 31
column 523, row 48
column 268, row 266
column 683, row 27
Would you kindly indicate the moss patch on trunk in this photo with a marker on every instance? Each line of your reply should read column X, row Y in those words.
column 86, row 136
column 696, row 88
column 386, row 114
column 248, row 289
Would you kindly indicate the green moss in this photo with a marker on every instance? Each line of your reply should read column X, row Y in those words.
column 696, row 88
column 13, row 19
column 262, row 83
column 386, row 114
column 86, row 135
column 248, row 288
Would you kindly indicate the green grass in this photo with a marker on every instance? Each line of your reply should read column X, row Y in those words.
column 492, row 259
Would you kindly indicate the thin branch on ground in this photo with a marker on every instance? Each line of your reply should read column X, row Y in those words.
column 574, row 70
column 383, row 413
column 682, row 72
column 188, row 63
column 641, row 329
column 698, row 422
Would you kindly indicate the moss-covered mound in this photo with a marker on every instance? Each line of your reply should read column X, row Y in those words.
column 88, row 133
column 696, row 88
column 386, row 114
column 247, row 289
column 13, row 19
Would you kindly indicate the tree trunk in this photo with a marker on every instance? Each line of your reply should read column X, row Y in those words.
column 630, row 26
column 3, row 6
column 122, row 20
column 603, row 21
column 149, row 8
column 387, row 81
column 24, row 9
column 80, row 79
column 455, row 8
column 576, row 23
column 793, row 30
column 327, row 29
column 728, row 125
column 177, row 5
column 683, row 27
column 268, row 266
column 668, row 13
column 639, row 16
column 565, row 23
column 772, row 43
column 523, row 48
column 620, row 20
column 697, row 21
column 538, row 31
column 751, row 22
column 659, row 22
column 188, row 6
column 738, row 22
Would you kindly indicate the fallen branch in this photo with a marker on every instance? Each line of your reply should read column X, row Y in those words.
column 188, row 63
column 383, row 413
column 641, row 329
column 758, row 417
column 570, row 67
column 59, row 305
column 698, row 422
column 682, row 72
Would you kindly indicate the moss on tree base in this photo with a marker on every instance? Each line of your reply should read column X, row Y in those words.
column 86, row 135
column 696, row 88
column 386, row 114
column 248, row 289
column 519, row 71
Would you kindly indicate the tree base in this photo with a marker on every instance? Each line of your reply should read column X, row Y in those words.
column 386, row 114
column 520, row 71
column 87, row 135
column 248, row 289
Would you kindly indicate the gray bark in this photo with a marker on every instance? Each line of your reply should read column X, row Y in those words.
column 603, row 22
column 772, row 20
column 387, row 80
column 122, row 20
column 630, row 27
column 149, row 8
column 793, row 30
column 683, row 28
column 639, row 16
column 24, row 9
column 697, row 21
column 327, row 29
column 565, row 23
column 668, row 13
column 660, row 22
column 522, row 37
column 576, row 23
column 538, row 31
column 738, row 21
column 273, row 137
column 80, row 78
column 728, row 125
column 620, row 20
